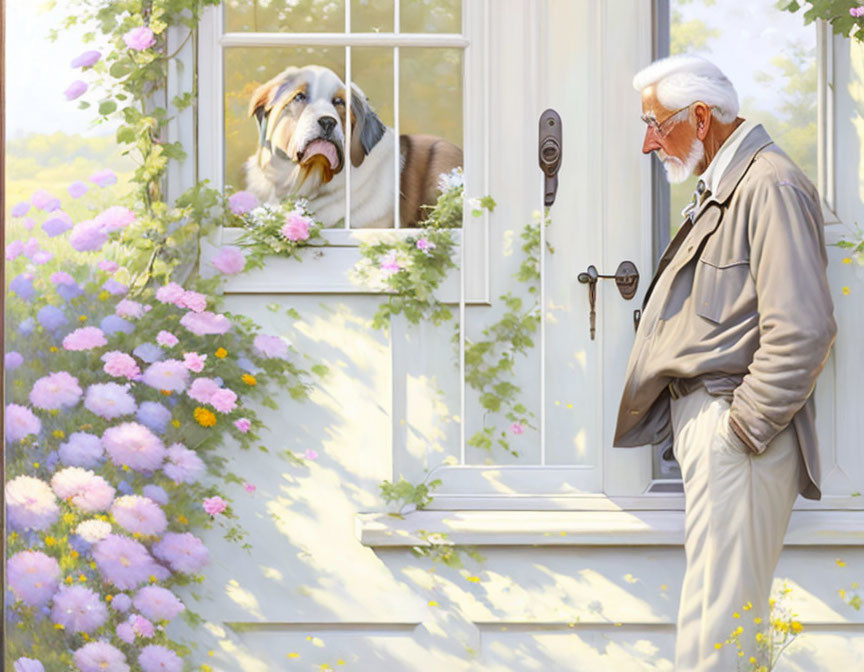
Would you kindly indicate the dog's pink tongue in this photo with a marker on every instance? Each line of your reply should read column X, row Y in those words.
column 321, row 147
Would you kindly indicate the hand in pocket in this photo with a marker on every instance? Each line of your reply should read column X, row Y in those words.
column 727, row 440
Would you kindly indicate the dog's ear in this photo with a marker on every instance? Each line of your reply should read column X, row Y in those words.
column 368, row 127
column 265, row 95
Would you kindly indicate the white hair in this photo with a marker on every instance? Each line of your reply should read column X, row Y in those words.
column 683, row 79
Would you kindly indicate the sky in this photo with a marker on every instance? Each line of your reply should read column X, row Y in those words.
column 38, row 72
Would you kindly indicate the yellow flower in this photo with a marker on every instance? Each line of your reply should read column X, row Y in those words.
column 796, row 626
column 68, row 518
column 103, row 295
column 92, row 565
column 772, row 601
column 474, row 579
column 182, row 519
column 58, row 626
column 293, row 654
column 758, row 636
column 221, row 353
column 847, row 260
column 175, row 422
column 85, row 636
column 845, row 290
column 59, row 434
column 841, row 563
column 125, row 467
column 736, row 615
column 68, row 579
column 433, row 603
column 752, row 660
column 206, row 668
column 204, row 417
column 49, row 541
column 249, row 379
column 82, row 318
column 35, row 465
column 82, row 577
column 167, row 393
column 153, row 578
column 108, row 598
column 53, row 348
column 739, row 630
column 718, row 645
column 73, row 553
column 757, row 620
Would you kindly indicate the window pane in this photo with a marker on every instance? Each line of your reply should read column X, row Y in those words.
column 776, row 82
column 430, row 100
column 279, row 16
column 371, row 16
column 430, row 16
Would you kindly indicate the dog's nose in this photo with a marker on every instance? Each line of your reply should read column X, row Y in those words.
column 327, row 123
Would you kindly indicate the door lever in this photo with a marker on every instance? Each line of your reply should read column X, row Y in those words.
column 626, row 278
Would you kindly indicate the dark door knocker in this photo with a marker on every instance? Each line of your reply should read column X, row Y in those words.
column 626, row 278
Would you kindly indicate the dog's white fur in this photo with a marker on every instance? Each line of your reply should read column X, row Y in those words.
column 272, row 178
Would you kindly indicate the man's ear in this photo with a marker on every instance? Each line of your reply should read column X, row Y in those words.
column 367, row 129
column 702, row 112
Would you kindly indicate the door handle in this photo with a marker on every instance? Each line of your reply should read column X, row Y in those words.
column 626, row 278
column 549, row 151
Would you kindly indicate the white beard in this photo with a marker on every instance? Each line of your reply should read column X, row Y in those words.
column 677, row 170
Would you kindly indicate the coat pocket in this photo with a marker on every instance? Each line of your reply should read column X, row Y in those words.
column 720, row 289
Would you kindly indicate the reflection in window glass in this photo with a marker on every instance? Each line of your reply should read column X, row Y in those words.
column 430, row 16
column 776, row 82
column 371, row 16
column 279, row 16
column 430, row 87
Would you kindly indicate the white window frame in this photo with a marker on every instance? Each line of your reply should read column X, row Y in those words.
column 329, row 272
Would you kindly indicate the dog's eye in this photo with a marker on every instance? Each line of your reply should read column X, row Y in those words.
column 338, row 101
column 300, row 96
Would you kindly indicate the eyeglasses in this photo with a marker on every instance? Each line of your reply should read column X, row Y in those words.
column 656, row 126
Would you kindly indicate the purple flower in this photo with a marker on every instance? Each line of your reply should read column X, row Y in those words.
column 77, row 189
column 125, row 631
column 28, row 665
column 55, row 391
column 270, row 346
column 20, row 209
column 42, row 257
column 121, row 602
column 115, row 218
column 78, row 609
column 856, row 11
column 229, row 260
column 27, row 326
column 75, row 89
column 20, row 422
column 51, row 317
column 109, row 400
column 205, row 323
column 30, row 503
column 108, row 266
column 168, row 375
column 44, row 200
column 111, row 324
column 58, row 223
column 202, row 389
column 131, row 309
column 87, row 59
column 85, row 338
column 243, row 424
column 242, row 201
column 134, row 445
column 157, row 603
column 224, row 400
column 14, row 249
column 120, row 365
column 100, row 656
column 214, row 505
column 157, row 658
column 166, row 339
column 88, row 236
column 139, row 38
column 156, row 493
column 113, row 287
column 184, row 552
column 13, row 360
column 83, row 488
column 154, row 415
column 81, row 450
column 135, row 513
column 33, row 577
column 62, row 278
column 22, row 285
column 103, row 178
column 183, row 465
column 125, row 562
column 148, row 352
column 142, row 627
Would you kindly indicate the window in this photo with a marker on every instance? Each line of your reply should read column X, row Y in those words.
column 420, row 66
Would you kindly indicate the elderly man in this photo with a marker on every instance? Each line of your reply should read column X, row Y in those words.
column 736, row 326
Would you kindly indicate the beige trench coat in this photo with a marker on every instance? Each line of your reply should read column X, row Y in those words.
column 743, row 303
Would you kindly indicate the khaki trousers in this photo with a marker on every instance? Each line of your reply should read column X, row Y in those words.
column 737, row 508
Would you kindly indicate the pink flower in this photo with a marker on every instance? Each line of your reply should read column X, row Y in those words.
column 100, row 656
column 193, row 361
column 270, row 346
column 140, row 38
column 33, row 576
column 183, row 465
column 205, row 323
column 242, row 202
column 135, row 513
column 517, row 428
column 88, row 236
column 125, row 631
column 184, row 552
column 125, row 562
column 109, row 400
column 75, row 89
column 424, row 244
column 131, row 309
column 166, row 339
column 85, row 338
column 83, row 488
column 44, row 200
column 214, row 505
column 135, row 446
column 202, row 389
column 55, row 391
column 142, row 626
column 62, row 278
column 229, row 260
column 856, row 11
column 14, row 249
column 103, row 178
column 20, row 422
column 310, row 454
column 249, row 487
column 79, row 609
column 168, row 375
column 121, row 365
column 30, row 503
column 158, row 658
column 243, row 424
column 87, row 59
column 296, row 226
column 389, row 263
column 108, row 266
column 224, row 400
column 115, row 218
column 170, row 293
column 193, row 301
column 157, row 603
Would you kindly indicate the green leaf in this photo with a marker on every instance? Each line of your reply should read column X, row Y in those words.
column 107, row 107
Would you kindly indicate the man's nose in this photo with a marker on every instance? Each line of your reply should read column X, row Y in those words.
column 649, row 144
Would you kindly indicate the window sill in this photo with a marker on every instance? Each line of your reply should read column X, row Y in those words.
column 582, row 528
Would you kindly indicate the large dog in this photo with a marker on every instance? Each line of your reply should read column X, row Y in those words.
column 301, row 152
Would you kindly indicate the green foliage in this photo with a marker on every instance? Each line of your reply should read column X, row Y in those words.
column 439, row 548
column 835, row 12
column 407, row 493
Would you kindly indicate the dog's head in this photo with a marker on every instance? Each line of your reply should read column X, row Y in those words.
column 301, row 120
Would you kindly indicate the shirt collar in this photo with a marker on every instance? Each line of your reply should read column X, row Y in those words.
column 714, row 172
